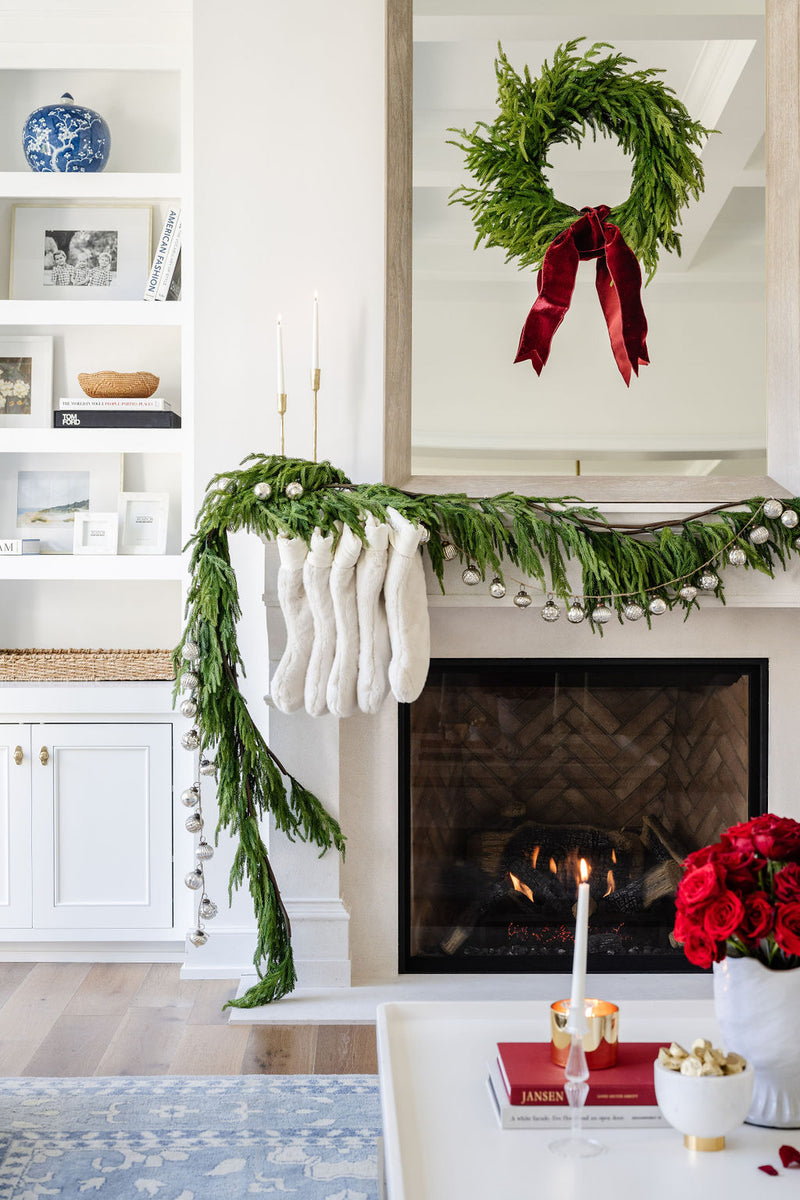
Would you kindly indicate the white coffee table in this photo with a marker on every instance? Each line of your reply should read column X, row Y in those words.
column 443, row 1142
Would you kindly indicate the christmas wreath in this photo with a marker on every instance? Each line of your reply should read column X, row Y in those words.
column 514, row 207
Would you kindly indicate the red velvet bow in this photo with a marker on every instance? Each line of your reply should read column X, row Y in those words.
column 618, row 282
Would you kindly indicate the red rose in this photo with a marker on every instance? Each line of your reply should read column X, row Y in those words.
column 699, row 885
column 758, row 916
column 684, row 924
column 786, row 883
column 739, row 837
column 722, row 916
column 776, row 837
column 741, row 867
column 700, row 949
column 699, row 858
column 787, row 927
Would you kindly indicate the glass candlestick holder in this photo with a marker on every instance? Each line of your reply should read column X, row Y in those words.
column 576, row 1087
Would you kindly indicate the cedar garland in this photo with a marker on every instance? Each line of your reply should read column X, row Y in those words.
column 538, row 537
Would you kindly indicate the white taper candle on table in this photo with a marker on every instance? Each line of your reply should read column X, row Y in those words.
column 577, row 1001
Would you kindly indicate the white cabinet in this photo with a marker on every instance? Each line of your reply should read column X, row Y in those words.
column 86, row 827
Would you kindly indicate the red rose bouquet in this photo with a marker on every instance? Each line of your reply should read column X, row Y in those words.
column 741, row 896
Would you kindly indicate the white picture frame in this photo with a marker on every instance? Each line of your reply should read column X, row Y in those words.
column 95, row 533
column 37, row 501
column 79, row 251
column 26, row 382
column 143, row 522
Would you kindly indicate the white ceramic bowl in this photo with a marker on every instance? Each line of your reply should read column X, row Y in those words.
column 703, row 1107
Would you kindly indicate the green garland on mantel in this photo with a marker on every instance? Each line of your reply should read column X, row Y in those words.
column 540, row 537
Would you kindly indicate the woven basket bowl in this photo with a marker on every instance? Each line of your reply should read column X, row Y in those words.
column 114, row 384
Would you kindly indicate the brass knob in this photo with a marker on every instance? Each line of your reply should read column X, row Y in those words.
column 44, row 757
column 18, row 756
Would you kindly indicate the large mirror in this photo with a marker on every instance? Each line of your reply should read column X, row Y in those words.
column 715, row 415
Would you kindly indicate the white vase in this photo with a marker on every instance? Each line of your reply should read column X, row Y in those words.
column 758, row 1011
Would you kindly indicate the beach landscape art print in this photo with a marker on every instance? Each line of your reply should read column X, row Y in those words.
column 46, row 505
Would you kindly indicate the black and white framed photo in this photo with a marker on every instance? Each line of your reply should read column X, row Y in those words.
column 40, row 494
column 143, row 522
column 95, row 533
column 26, row 382
column 79, row 251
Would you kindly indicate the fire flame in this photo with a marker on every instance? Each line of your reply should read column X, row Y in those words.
column 584, row 871
column 613, row 856
column 612, row 887
column 553, row 866
column 535, row 856
column 519, row 886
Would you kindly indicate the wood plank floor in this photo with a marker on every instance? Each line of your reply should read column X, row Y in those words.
column 60, row 1019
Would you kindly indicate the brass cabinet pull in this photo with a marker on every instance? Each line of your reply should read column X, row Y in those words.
column 44, row 757
column 18, row 756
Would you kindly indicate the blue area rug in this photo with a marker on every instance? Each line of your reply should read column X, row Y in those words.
column 311, row 1137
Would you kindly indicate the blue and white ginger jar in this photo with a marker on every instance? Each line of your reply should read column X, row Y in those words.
column 66, row 137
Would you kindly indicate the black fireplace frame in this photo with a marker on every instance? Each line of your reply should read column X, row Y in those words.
column 757, row 671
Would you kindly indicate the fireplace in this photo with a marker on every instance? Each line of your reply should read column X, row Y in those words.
column 512, row 770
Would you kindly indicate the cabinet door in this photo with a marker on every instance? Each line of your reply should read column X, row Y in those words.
column 15, row 826
column 102, row 826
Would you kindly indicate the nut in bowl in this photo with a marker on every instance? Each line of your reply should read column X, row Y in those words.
column 703, row 1093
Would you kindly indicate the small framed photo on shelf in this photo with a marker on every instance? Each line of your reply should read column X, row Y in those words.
column 143, row 522
column 79, row 251
column 95, row 533
column 26, row 382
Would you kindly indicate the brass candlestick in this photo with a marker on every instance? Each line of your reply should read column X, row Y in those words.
column 282, row 411
column 315, row 377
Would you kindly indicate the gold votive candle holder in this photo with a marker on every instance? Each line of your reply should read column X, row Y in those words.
column 600, row 1041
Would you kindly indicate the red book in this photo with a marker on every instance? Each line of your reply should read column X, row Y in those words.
column 530, row 1076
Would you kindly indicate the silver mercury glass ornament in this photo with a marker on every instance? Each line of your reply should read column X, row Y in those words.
column 688, row 592
column 471, row 575
column 576, row 613
column 601, row 614
column 194, row 822
column 657, row 606
column 188, row 708
column 198, row 937
column 633, row 611
column 522, row 599
column 772, row 508
column 194, row 879
column 207, row 909
column 449, row 551
column 737, row 556
column 789, row 518
column 207, row 767
column 497, row 588
column 262, row 491
column 551, row 611
column 294, row 490
column 190, row 796
column 758, row 535
column 424, row 535
column 191, row 651
column 708, row 581
column 204, row 851
column 191, row 739
column 189, row 681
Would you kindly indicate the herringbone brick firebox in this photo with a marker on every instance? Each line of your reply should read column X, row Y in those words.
column 511, row 771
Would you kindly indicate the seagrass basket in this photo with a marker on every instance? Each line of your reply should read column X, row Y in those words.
column 115, row 385
column 84, row 666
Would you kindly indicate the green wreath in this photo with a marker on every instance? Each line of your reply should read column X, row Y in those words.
column 514, row 206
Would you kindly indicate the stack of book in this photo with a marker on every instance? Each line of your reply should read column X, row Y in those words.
column 527, row 1089
column 85, row 412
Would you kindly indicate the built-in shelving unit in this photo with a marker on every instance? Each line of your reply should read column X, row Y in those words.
column 135, row 71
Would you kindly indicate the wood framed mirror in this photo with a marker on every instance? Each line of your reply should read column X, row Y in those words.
column 782, row 296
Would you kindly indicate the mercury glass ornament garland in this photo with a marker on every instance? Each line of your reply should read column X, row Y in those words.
column 623, row 569
column 195, row 879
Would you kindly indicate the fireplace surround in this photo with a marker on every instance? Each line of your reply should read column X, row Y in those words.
column 512, row 770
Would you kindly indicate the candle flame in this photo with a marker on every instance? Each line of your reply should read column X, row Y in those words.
column 584, row 871
column 519, row 886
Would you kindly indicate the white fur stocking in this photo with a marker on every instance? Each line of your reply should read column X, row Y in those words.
column 374, row 649
column 406, row 610
column 288, row 682
column 316, row 580
column 341, row 690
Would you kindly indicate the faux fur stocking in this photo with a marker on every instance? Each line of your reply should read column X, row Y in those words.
column 406, row 610
column 374, row 649
column 316, row 580
column 288, row 682
column 341, row 691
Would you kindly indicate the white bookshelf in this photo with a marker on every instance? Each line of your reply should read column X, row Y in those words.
column 119, row 568
column 106, row 185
